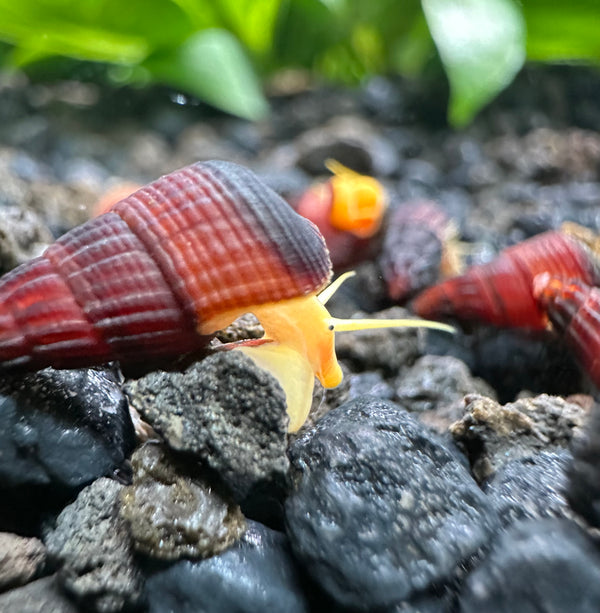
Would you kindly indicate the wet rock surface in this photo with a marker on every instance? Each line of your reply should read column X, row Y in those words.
column 527, row 164
column 548, row 565
column 257, row 574
column 531, row 487
column 382, row 508
column 170, row 514
column 62, row 428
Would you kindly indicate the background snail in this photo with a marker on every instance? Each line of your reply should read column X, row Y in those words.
column 501, row 292
column 573, row 308
column 170, row 265
column 348, row 209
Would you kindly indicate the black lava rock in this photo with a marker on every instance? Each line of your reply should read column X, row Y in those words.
column 383, row 508
column 584, row 474
column 62, row 428
column 548, row 566
column 230, row 414
column 256, row 574
column 532, row 487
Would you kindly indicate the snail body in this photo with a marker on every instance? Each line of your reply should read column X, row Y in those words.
column 165, row 268
column 501, row 293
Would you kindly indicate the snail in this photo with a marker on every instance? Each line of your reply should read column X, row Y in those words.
column 501, row 292
column 420, row 246
column 164, row 269
column 348, row 209
column 573, row 308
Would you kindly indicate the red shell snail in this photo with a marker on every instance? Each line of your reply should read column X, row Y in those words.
column 170, row 265
column 501, row 292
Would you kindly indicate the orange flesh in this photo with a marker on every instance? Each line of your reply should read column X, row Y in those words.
column 358, row 204
column 299, row 323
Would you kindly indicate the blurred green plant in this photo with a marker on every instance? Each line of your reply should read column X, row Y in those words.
column 223, row 51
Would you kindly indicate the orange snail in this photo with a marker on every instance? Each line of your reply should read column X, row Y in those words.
column 165, row 268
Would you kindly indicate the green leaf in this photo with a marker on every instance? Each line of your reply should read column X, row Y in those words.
column 212, row 65
column 97, row 30
column 482, row 46
column 252, row 20
column 305, row 29
column 562, row 31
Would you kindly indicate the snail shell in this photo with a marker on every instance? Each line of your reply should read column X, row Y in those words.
column 573, row 308
column 150, row 278
column 417, row 249
column 501, row 292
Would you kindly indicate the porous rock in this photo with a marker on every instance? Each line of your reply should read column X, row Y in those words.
column 584, row 473
column 387, row 349
column 228, row 413
column 91, row 545
column 22, row 236
column 256, row 574
column 62, row 428
column 173, row 514
column 20, row 559
column 382, row 507
column 531, row 487
column 537, row 565
column 351, row 141
column 42, row 596
column 437, row 385
column 493, row 434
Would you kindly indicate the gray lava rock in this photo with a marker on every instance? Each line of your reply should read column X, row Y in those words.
column 382, row 507
column 548, row 566
column 529, row 488
column 20, row 559
column 63, row 428
column 23, row 236
column 171, row 514
column 92, row 546
column 351, row 141
column 388, row 349
column 369, row 383
column 584, row 474
column 227, row 412
column 41, row 596
column 493, row 434
column 257, row 574
column 438, row 385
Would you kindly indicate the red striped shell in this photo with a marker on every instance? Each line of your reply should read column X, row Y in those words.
column 501, row 292
column 573, row 308
column 139, row 281
column 413, row 248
